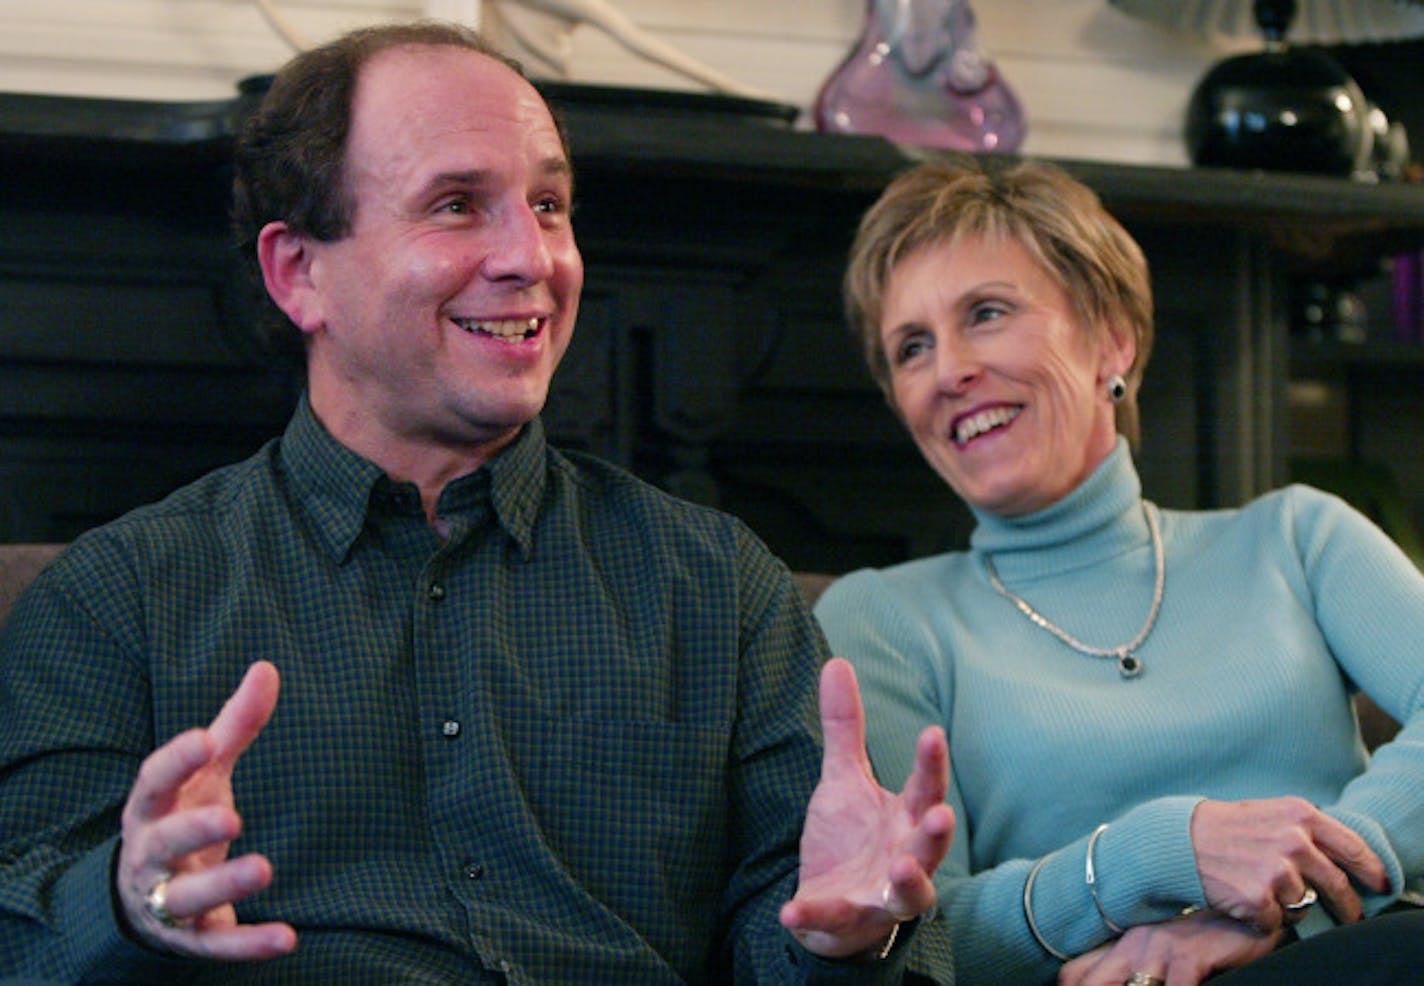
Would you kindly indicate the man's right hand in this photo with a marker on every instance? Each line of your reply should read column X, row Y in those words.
column 179, row 821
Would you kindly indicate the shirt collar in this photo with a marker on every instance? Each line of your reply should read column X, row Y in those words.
column 512, row 482
column 336, row 487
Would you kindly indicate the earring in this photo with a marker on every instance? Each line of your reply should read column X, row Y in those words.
column 1117, row 388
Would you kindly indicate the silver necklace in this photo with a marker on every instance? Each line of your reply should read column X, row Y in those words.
column 1129, row 665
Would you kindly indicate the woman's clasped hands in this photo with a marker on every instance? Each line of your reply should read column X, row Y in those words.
column 1263, row 865
column 1261, row 861
column 1181, row 952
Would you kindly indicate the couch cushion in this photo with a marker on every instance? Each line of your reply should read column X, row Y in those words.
column 19, row 564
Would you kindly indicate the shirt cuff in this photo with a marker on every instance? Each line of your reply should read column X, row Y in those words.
column 870, row 969
column 96, row 947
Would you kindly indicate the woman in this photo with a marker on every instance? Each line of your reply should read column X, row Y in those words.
column 1148, row 710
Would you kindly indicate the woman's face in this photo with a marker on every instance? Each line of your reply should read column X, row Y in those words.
column 1004, row 392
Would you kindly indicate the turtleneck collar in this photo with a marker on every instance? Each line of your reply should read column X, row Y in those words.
column 1098, row 520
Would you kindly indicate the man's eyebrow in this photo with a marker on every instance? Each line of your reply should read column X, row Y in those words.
column 554, row 166
column 558, row 166
column 474, row 177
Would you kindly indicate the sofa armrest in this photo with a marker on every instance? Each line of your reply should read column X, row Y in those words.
column 19, row 564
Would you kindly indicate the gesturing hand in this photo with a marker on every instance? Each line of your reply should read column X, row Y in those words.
column 866, row 854
column 1257, row 857
column 178, row 822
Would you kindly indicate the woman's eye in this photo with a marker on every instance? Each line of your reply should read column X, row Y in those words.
column 986, row 313
column 909, row 349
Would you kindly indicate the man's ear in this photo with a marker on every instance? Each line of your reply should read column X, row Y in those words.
column 286, row 260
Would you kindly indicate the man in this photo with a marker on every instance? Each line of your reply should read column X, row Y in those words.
column 538, row 722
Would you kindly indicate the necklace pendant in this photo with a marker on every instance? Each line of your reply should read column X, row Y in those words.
column 1129, row 665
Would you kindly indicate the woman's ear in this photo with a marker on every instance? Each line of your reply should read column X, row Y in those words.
column 285, row 257
column 1119, row 350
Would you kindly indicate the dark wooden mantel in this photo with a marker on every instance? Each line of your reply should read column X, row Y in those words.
column 710, row 355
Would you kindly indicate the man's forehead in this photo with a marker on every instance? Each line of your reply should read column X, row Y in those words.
column 429, row 96
column 449, row 83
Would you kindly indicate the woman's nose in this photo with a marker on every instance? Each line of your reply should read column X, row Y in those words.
column 956, row 365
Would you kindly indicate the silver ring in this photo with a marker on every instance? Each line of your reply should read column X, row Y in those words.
column 155, row 902
column 1143, row 979
column 885, row 904
column 1307, row 900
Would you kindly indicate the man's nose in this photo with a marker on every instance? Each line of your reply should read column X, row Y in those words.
column 519, row 248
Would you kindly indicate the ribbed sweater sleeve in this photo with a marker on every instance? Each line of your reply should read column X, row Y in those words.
column 1369, row 603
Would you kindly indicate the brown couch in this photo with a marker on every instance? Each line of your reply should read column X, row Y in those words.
column 20, row 563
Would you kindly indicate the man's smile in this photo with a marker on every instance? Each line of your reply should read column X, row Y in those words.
column 504, row 328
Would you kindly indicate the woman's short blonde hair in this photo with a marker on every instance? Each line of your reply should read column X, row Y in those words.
column 1059, row 220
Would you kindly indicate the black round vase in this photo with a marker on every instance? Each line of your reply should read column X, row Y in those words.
column 1291, row 109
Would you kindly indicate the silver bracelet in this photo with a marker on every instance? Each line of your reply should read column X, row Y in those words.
column 1028, row 912
column 884, row 952
column 1092, row 880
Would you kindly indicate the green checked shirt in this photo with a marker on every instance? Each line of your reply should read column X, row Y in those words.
column 572, row 742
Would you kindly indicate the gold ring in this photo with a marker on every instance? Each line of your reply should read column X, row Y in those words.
column 1143, row 979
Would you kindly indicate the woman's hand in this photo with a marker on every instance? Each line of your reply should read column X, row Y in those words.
column 1256, row 858
column 1181, row 952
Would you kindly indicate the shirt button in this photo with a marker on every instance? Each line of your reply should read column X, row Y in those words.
column 436, row 592
column 505, row 965
column 450, row 728
column 473, row 871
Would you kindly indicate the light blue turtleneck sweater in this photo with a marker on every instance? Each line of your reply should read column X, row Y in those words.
column 1270, row 614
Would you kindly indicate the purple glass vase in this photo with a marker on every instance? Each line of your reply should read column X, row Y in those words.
column 918, row 75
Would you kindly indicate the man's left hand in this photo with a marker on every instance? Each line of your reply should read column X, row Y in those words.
column 867, row 855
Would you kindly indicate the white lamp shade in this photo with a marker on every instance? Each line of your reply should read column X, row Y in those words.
column 1316, row 21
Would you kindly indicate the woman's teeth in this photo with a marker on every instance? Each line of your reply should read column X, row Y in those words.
column 976, row 424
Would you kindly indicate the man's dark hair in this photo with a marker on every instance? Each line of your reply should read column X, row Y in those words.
column 289, row 158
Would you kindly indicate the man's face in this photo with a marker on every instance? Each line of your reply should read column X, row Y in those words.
column 436, row 324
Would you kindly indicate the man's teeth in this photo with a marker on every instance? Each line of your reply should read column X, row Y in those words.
column 507, row 328
column 977, row 424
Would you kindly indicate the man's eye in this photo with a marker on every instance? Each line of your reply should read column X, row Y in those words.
column 550, row 204
column 458, row 205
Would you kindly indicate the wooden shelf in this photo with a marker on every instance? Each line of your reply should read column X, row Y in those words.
column 1310, row 358
column 1322, row 223
column 711, row 355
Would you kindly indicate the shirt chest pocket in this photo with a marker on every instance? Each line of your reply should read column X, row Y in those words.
column 635, row 810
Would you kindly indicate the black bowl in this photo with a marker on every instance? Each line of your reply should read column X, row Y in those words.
column 1292, row 109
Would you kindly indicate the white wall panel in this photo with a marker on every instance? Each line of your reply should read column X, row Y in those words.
column 1094, row 82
